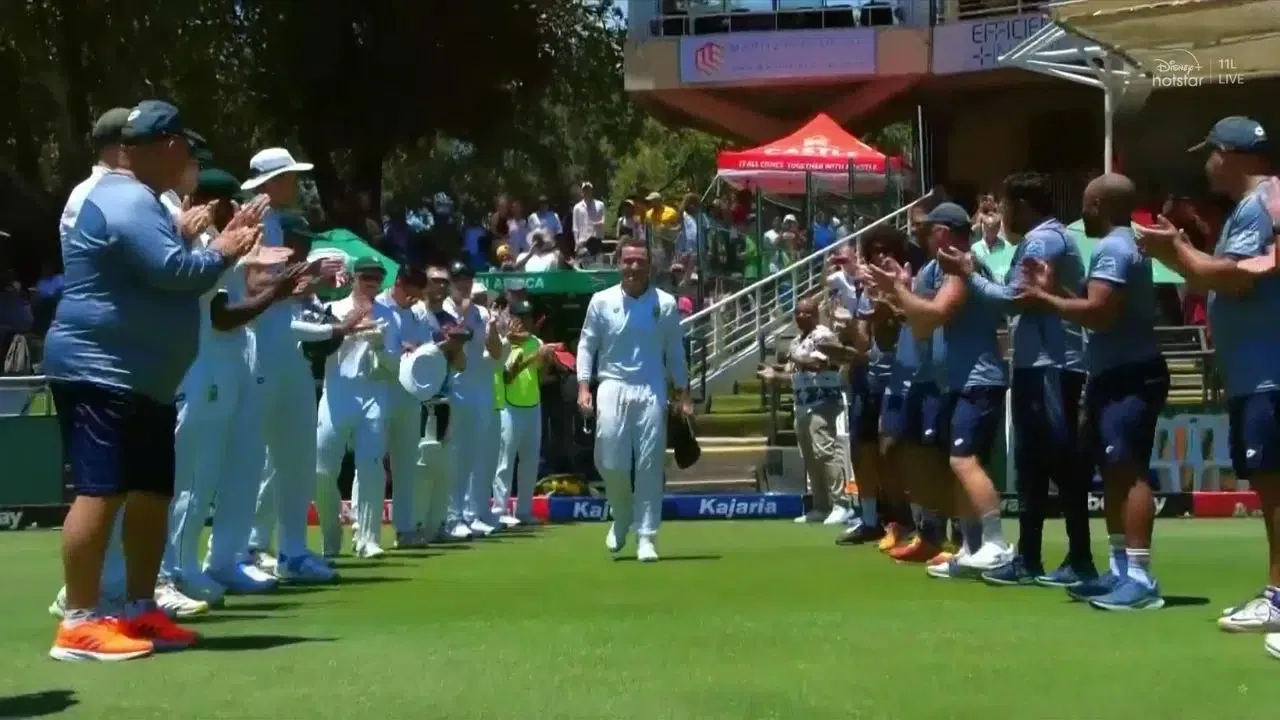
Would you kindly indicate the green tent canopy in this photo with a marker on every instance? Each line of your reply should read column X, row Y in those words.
column 350, row 245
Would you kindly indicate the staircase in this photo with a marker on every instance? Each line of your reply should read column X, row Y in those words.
column 730, row 337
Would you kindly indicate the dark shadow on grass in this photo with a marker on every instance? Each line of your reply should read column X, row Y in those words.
column 450, row 546
column 233, row 643
column 674, row 558
column 1176, row 601
column 347, row 580
column 40, row 704
column 218, row 618
column 300, row 589
column 518, row 533
column 258, row 606
column 413, row 555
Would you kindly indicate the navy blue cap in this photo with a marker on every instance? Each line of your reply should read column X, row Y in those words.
column 151, row 120
column 1236, row 134
column 461, row 269
column 949, row 215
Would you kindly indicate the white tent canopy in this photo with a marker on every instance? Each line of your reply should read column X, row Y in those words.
column 1127, row 48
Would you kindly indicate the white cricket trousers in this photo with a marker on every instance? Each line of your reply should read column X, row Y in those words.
column 352, row 413
column 473, row 436
column 521, row 440
column 631, row 431
column 404, row 426
column 287, row 472
column 436, row 478
column 219, row 453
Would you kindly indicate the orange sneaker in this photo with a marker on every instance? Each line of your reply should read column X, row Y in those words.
column 892, row 537
column 156, row 627
column 917, row 551
column 100, row 639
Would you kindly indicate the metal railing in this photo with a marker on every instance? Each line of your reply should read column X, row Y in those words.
column 744, row 323
column 25, row 395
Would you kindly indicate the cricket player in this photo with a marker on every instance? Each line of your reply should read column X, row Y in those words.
column 632, row 342
column 434, row 472
column 353, row 411
column 1127, row 388
column 1244, row 301
column 521, row 442
column 472, row 428
column 404, row 412
column 975, row 377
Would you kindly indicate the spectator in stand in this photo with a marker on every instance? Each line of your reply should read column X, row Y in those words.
column 824, row 230
column 588, row 218
column 45, row 295
column 517, row 228
column 629, row 223
column 771, row 236
column 474, row 240
column 506, row 259
column 692, row 230
column 741, row 210
column 398, row 236
column 544, row 218
column 992, row 243
column 15, row 310
column 659, row 214
column 543, row 255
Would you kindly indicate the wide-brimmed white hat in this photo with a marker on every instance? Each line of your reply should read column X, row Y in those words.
column 478, row 288
column 423, row 372
column 271, row 162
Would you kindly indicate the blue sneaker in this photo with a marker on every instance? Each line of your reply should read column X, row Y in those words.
column 304, row 569
column 1015, row 572
column 1094, row 587
column 244, row 578
column 1064, row 577
column 1130, row 594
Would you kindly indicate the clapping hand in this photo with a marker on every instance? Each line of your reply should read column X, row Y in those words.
column 954, row 261
column 293, row 281
column 1037, row 280
column 194, row 219
column 237, row 242
column 889, row 275
column 250, row 214
column 1158, row 241
column 261, row 256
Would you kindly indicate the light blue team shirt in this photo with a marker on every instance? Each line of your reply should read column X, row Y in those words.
column 130, row 312
column 1041, row 338
column 973, row 348
column 879, row 367
column 1244, row 328
column 1132, row 337
column 914, row 359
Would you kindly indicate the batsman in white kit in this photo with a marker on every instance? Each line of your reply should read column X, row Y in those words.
column 353, row 412
column 632, row 342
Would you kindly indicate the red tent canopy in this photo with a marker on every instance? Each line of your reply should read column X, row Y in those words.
column 821, row 147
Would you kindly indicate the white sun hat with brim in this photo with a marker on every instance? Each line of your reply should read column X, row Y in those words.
column 272, row 162
column 423, row 372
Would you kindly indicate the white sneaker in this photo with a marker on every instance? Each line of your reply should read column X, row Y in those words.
column 175, row 604
column 460, row 531
column 481, row 528
column 509, row 521
column 257, row 574
column 813, row 516
column 615, row 539
column 371, row 551
column 199, row 586
column 264, row 560
column 1257, row 615
column 839, row 515
column 59, row 607
column 645, row 550
column 107, row 605
column 1272, row 645
column 989, row 557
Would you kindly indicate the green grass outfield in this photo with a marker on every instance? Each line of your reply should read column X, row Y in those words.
column 741, row 620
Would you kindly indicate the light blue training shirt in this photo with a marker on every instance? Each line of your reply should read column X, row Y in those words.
column 1041, row 338
column 1132, row 337
column 1245, row 328
column 913, row 360
column 130, row 312
column 973, row 347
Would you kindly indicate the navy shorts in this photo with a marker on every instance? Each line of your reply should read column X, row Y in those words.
column 893, row 417
column 864, row 420
column 976, row 419
column 1121, row 409
column 115, row 441
column 1255, row 433
column 925, row 415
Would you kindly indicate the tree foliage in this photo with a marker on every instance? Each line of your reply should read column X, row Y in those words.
column 670, row 161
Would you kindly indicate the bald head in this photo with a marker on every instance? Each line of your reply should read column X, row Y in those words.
column 1115, row 197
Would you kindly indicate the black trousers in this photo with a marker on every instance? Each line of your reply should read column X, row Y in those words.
column 1046, row 413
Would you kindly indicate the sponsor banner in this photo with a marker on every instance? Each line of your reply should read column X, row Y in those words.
column 1225, row 505
column 978, row 44
column 736, row 507
column 1168, row 505
column 32, row 517
column 577, row 509
column 795, row 54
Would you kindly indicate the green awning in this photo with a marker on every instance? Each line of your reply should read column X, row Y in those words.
column 350, row 245
column 553, row 282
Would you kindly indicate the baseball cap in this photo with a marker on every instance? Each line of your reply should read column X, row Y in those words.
column 789, row 218
column 521, row 307
column 293, row 223
column 217, row 184
column 436, row 273
column 461, row 269
column 152, row 120
column 269, row 163
column 586, row 184
column 1236, row 134
column 653, row 196
column 948, row 215
column 368, row 264
column 109, row 126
